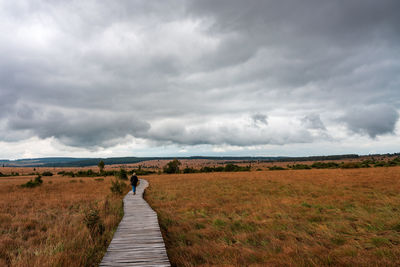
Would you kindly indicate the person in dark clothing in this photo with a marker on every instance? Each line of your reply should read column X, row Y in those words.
column 134, row 182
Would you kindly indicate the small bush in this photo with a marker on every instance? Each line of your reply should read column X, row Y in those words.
column 172, row 166
column 11, row 174
column 101, row 166
column 140, row 171
column 31, row 184
column 227, row 168
column 231, row 167
column 93, row 222
column 300, row 167
column 206, row 169
column 88, row 173
column 122, row 174
column 47, row 173
column 325, row 165
column 98, row 179
column 117, row 187
column 351, row 165
column 235, row 168
column 276, row 168
column 189, row 170
column 71, row 174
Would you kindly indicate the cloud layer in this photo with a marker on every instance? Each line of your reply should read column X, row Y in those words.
column 95, row 75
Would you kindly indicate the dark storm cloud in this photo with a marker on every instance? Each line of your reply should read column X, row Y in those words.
column 90, row 73
column 80, row 129
column 373, row 120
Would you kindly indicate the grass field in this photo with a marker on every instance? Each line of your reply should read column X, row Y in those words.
column 295, row 217
column 63, row 222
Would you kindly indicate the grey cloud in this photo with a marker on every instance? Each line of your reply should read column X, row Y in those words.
column 228, row 135
column 312, row 41
column 313, row 121
column 259, row 119
column 372, row 120
column 80, row 129
column 341, row 21
column 101, row 71
column 7, row 101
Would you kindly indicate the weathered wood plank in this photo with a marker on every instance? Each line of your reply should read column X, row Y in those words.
column 137, row 240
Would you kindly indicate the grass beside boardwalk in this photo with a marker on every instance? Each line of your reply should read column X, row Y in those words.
column 63, row 222
column 293, row 217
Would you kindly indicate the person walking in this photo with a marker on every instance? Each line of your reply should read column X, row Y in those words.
column 134, row 182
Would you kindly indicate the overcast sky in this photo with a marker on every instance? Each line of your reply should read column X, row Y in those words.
column 177, row 78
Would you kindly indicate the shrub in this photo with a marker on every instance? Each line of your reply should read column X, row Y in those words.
column 31, row 184
column 117, row 187
column 88, row 173
column 122, row 174
column 276, row 168
column 38, row 179
column 219, row 169
column 101, row 166
column 231, row 167
column 93, row 222
column 140, row 171
column 351, row 165
column 172, row 166
column 64, row 173
column 300, row 167
column 325, row 165
column 108, row 173
column 228, row 168
column 47, row 173
column 189, row 170
column 206, row 169
column 11, row 174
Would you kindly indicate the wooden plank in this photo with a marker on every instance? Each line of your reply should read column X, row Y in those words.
column 137, row 240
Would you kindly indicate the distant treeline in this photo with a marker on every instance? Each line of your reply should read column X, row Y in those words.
column 227, row 168
column 343, row 165
column 321, row 158
column 91, row 173
column 84, row 162
column 8, row 175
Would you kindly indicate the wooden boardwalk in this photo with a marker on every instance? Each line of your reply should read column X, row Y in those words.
column 138, row 240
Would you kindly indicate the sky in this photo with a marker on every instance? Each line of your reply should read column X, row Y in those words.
column 187, row 77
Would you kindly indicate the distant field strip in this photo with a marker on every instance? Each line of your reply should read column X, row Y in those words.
column 138, row 240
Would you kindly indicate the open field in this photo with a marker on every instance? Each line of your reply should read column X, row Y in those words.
column 63, row 222
column 292, row 217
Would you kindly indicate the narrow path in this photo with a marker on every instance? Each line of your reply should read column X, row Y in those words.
column 138, row 240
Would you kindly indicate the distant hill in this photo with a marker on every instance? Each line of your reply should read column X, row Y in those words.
column 83, row 162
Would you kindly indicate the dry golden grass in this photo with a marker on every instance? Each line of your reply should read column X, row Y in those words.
column 295, row 217
column 44, row 226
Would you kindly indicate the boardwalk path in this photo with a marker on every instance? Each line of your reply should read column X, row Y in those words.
column 138, row 240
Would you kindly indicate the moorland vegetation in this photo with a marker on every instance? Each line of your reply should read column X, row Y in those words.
column 57, row 221
column 318, row 217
